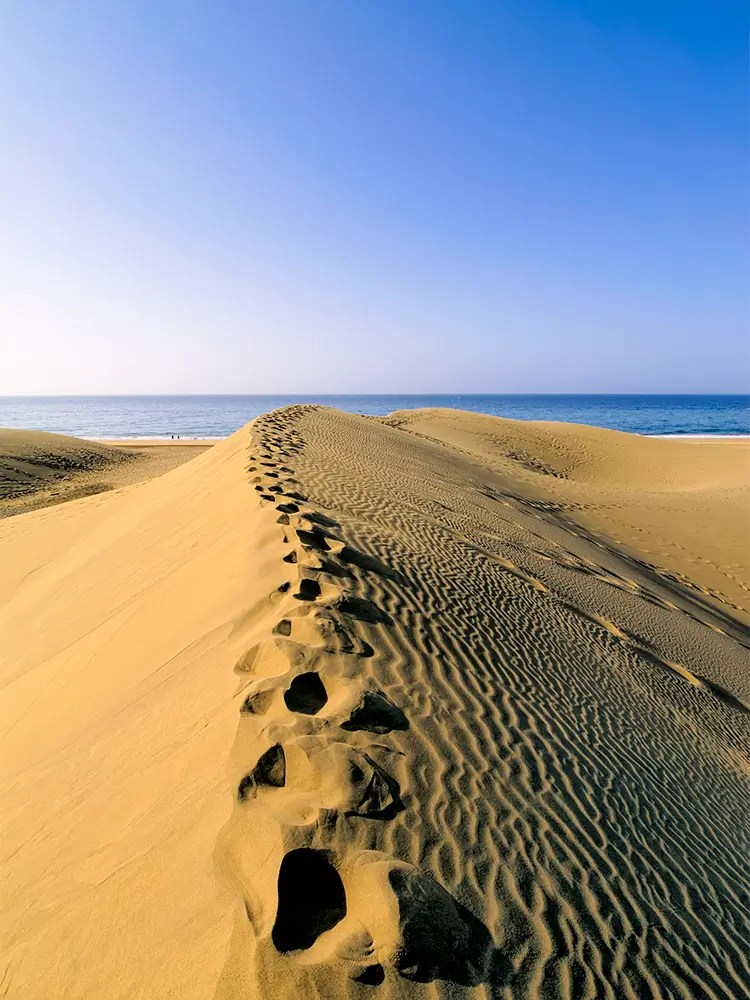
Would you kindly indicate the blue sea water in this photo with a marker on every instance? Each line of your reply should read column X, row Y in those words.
column 217, row 416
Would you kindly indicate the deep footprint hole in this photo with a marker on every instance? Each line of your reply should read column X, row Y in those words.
column 306, row 694
column 287, row 508
column 313, row 540
column 270, row 771
column 309, row 590
column 376, row 714
column 312, row 899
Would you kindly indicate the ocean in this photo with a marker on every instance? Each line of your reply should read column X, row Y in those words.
column 111, row 417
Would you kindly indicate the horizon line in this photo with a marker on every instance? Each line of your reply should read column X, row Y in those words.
column 342, row 395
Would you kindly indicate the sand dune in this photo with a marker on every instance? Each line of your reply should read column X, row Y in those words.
column 40, row 470
column 680, row 506
column 349, row 707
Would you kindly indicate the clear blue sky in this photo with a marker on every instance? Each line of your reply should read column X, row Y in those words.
column 373, row 195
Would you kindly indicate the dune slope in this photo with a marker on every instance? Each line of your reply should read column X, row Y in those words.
column 479, row 751
column 347, row 709
column 678, row 506
column 120, row 618
column 38, row 469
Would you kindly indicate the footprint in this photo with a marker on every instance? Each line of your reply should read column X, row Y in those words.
column 309, row 590
column 328, row 633
column 306, row 694
column 347, row 702
column 362, row 610
column 375, row 714
column 380, row 794
column 439, row 938
column 313, row 539
column 258, row 703
column 287, row 508
column 312, row 900
column 296, row 782
column 275, row 657
column 270, row 771
column 399, row 917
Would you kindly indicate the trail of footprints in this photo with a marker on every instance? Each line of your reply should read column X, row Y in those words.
column 315, row 750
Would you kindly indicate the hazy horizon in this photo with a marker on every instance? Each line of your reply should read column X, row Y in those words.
column 244, row 199
column 353, row 395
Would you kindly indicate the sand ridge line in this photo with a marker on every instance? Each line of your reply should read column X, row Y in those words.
column 679, row 506
column 451, row 748
column 306, row 694
column 546, row 741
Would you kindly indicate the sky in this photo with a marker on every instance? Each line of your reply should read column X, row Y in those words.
column 250, row 196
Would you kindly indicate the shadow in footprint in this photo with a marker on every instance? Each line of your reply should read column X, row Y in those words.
column 375, row 714
column 312, row 899
column 381, row 794
column 306, row 694
column 313, row 540
column 315, row 517
column 441, row 939
column 270, row 771
column 257, row 704
column 309, row 590
column 373, row 975
column 362, row 610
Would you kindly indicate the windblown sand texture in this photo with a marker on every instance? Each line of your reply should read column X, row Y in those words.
column 355, row 708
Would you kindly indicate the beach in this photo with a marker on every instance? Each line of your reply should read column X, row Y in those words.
column 40, row 469
column 435, row 704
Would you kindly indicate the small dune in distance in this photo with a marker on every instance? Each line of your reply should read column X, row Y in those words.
column 38, row 469
column 436, row 705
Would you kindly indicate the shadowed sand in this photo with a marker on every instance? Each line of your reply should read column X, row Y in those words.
column 432, row 706
column 40, row 470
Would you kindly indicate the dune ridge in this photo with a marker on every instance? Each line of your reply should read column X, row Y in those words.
column 542, row 801
column 374, row 715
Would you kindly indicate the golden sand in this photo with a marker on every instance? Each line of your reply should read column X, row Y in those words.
column 40, row 470
column 433, row 706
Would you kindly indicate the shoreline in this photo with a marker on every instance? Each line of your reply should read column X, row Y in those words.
column 124, row 442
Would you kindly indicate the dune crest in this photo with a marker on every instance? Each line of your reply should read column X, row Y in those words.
column 395, row 725
column 538, row 764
